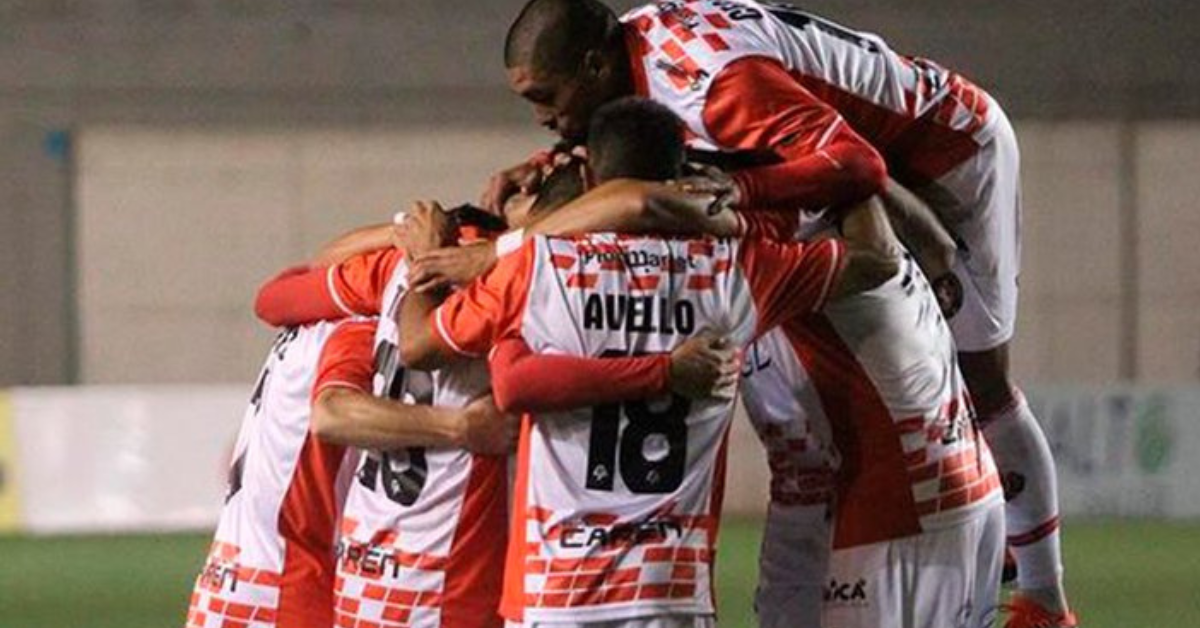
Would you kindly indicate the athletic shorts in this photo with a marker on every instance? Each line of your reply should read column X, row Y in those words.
column 948, row 578
column 792, row 566
column 662, row 621
column 982, row 208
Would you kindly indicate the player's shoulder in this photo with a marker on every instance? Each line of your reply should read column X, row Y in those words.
column 684, row 45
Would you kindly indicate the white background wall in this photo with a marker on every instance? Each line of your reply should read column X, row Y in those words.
column 176, row 229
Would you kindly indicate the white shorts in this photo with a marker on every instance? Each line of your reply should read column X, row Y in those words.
column 662, row 621
column 792, row 566
column 980, row 201
column 948, row 578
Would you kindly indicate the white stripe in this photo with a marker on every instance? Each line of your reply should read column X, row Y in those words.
column 833, row 270
column 333, row 293
column 829, row 132
column 441, row 328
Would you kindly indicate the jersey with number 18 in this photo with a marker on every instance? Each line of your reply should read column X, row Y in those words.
column 616, row 507
column 422, row 535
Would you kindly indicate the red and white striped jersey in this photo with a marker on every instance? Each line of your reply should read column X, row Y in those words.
column 616, row 506
column 272, row 559
column 699, row 58
column 423, row 531
column 884, row 370
column 786, row 413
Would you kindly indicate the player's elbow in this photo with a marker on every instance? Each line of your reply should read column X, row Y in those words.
column 418, row 351
column 874, row 267
column 326, row 422
column 265, row 307
column 865, row 171
column 505, row 393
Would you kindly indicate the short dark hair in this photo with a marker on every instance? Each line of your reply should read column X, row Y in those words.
column 554, row 35
column 636, row 138
column 563, row 185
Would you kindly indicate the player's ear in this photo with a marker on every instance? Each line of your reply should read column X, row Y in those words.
column 594, row 65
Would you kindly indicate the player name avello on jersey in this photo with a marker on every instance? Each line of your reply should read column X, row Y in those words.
column 648, row 314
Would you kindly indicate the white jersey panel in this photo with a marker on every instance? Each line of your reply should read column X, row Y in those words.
column 403, row 508
column 898, row 336
column 783, row 406
column 245, row 564
column 689, row 44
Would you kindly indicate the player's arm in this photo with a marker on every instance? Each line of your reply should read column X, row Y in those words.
column 357, row 242
column 344, row 411
column 633, row 206
column 789, row 280
column 624, row 205
column 470, row 321
column 872, row 250
column 755, row 104
column 524, row 381
column 307, row 294
column 920, row 229
column 352, row 417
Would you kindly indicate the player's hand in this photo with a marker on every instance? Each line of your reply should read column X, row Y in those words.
column 525, row 177
column 488, row 431
column 451, row 266
column 724, row 190
column 425, row 227
column 704, row 366
column 948, row 289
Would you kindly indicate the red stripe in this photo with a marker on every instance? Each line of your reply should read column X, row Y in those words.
column 583, row 280
column 1033, row 536
column 717, row 20
column 307, row 523
column 673, row 50
column 715, row 41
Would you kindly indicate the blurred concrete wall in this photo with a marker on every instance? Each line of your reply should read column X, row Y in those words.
column 224, row 65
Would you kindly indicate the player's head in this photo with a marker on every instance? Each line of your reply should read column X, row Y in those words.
column 563, row 185
column 567, row 57
column 635, row 138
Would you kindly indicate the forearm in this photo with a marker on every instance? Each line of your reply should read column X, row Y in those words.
column 920, row 229
column 296, row 296
column 357, row 242
column 350, row 417
column 873, row 252
column 523, row 381
column 632, row 206
column 839, row 174
column 420, row 347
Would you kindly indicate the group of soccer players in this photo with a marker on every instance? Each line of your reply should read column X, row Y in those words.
column 522, row 417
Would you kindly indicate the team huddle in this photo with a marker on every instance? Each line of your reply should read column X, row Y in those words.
column 518, row 415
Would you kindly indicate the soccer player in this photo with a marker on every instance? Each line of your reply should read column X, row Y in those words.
column 834, row 104
column 272, row 558
column 617, row 506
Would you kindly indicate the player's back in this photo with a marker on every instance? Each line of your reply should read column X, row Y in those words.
column 617, row 505
column 272, row 556
column 910, row 109
column 422, row 536
column 885, row 367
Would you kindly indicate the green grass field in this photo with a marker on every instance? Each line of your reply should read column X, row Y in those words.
column 1121, row 574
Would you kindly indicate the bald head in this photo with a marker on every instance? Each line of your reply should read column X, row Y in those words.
column 553, row 36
